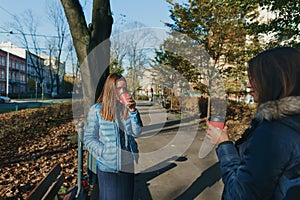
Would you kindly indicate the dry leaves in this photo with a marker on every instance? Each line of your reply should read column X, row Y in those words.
column 32, row 141
column 239, row 116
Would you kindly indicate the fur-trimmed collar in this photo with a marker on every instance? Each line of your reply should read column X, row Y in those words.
column 273, row 110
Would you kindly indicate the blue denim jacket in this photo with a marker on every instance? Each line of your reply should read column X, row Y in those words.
column 102, row 138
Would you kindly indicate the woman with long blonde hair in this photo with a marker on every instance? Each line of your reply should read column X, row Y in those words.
column 109, row 137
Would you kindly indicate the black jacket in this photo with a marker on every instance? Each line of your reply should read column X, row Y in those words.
column 265, row 162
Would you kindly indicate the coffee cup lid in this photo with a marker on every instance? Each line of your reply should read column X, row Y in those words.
column 217, row 118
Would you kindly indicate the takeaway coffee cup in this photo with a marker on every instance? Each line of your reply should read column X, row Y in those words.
column 124, row 98
column 207, row 146
column 217, row 121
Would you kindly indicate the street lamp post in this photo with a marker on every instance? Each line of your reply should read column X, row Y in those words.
column 7, row 74
column 42, row 85
column 36, row 90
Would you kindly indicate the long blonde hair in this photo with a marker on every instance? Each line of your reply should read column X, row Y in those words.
column 109, row 100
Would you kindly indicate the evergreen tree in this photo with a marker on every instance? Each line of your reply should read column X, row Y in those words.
column 283, row 23
column 217, row 28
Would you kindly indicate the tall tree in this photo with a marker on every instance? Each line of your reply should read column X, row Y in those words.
column 132, row 45
column 92, row 45
column 182, row 54
column 51, row 71
column 219, row 28
column 216, row 25
column 283, row 23
column 26, row 26
column 56, row 16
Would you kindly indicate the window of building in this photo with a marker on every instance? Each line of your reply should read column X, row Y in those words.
column 22, row 77
column 2, row 74
column 2, row 87
column 2, row 60
column 16, row 90
column 22, row 88
column 17, row 76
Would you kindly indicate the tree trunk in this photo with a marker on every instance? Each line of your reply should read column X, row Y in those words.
column 92, row 45
column 100, row 33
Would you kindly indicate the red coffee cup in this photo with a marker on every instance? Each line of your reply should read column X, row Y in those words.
column 217, row 121
column 124, row 98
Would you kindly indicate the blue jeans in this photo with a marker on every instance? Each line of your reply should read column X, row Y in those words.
column 115, row 186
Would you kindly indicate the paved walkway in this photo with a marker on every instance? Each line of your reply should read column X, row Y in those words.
column 169, row 166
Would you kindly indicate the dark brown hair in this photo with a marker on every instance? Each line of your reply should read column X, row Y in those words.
column 108, row 98
column 275, row 73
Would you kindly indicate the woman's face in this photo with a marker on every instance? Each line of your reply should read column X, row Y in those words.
column 252, row 91
column 121, row 87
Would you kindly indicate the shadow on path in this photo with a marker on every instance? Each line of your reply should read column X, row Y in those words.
column 207, row 179
column 167, row 126
column 142, row 191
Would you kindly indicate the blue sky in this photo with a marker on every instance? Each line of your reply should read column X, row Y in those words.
column 149, row 12
column 152, row 13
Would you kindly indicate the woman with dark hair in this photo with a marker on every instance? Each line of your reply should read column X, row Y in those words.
column 265, row 162
column 109, row 137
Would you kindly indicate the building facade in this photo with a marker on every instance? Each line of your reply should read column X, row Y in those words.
column 15, row 67
column 22, row 68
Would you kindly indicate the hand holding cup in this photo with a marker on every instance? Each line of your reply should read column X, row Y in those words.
column 217, row 131
column 127, row 101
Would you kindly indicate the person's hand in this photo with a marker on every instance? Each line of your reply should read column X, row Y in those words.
column 216, row 135
column 131, row 104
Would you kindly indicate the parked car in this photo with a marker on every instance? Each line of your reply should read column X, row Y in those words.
column 4, row 99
